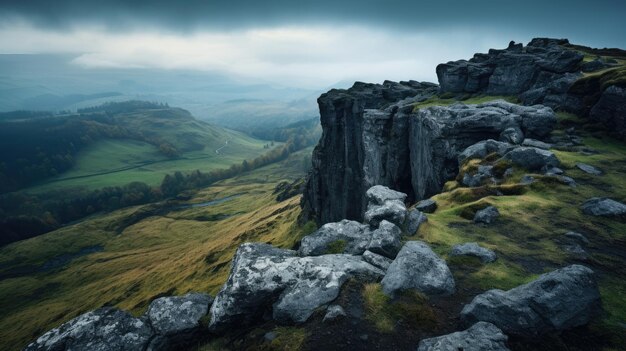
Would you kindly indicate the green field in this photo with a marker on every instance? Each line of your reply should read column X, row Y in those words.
column 116, row 162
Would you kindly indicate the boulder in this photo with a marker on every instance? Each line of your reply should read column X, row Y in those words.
column 556, row 301
column 178, row 314
column 101, row 330
column 602, row 206
column 479, row 177
column 334, row 312
column 487, row 215
column 414, row 220
column 610, row 110
column 426, row 206
column 379, row 194
column 483, row 148
column 553, row 171
column 589, row 169
column 527, row 179
column 482, row 336
column 264, row 278
column 536, row 143
column 512, row 135
column 418, row 267
column 377, row 260
column 385, row 240
column 473, row 249
column 532, row 158
column 391, row 210
column 353, row 237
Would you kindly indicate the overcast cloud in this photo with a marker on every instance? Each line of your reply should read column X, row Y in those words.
column 303, row 43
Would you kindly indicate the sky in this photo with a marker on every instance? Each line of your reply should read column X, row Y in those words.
column 310, row 44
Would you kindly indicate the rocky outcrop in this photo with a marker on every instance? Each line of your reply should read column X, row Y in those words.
column 101, row 330
column 414, row 152
column 555, row 301
column 532, row 158
column 473, row 249
column 418, row 267
column 414, row 220
column 541, row 72
column 266, row 280
column 481, row 336
column 426, row 206
column 384, row 204
column 602, row 206
column 610, row 110
column 352, row 236
column 589, row 169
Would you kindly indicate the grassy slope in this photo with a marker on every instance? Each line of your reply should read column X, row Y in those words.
column 170, row 253
column 124, row 161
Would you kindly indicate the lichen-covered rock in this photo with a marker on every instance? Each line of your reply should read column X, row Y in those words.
column 353, row 236
column 483, row 148
column 555, row 301
column 391, row 210
column 473, row 249
column 104, row 329
column 481, row 336
column 379, row 194
column 414, row 220
column 377, row 260
column 487, row 215
column 536, row 143
column 602, row 206
column 532, row 158
column 512, row 135
column 418, row 267
column 482, row 174
column 265, row 278
column 178, row 314
column 385, row 240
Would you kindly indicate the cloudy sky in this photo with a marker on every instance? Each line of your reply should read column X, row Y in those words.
column 300, row 43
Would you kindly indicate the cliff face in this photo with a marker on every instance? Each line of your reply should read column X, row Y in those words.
column 414, row 152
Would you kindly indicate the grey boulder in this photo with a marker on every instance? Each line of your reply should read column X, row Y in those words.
column 418, row 267
column 483, row 148
column 536, row 143
column 354, row 235
column 414, row 220
column 532, row 158
column 101, row 330
column 334, row 312
column 477, row 179
column 377, row 260
column 482, row 336
column 265, row 278
column 473, row 249
column 385, row 240
column 379, row 194
column 512, row 135
column 610, row 110
column 589, row 169
column 426, row 206
column 487, row 215
column 391, row 210
column 555, row 301
column 178, row 314
column 602, row 206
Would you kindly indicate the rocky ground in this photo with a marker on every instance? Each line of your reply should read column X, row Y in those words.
column 443, row 226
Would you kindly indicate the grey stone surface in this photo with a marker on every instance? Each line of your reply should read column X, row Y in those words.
column 482, row 336
column 487, row 215
column 377, row 260
column 602, row 206
column 334, row 312
column 418, row 267
column 483, row 148
column 512, row 135
column 385, row 240
column 473, row 249
column 555, row 301
column 527, row 179
column 482, row 175
column 263, row 277
column 589, row 169
column 104, row 329
column 577, row 237
column 414, row 220
column 532, row 158
column 610, row 110
column 426, row 206
column 354, row 235
column 379, row 194
column 391, row 210
column 178, row 314
column 536, row 143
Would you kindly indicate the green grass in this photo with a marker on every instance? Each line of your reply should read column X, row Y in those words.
column 162, row 254
column 115, row 162
column 469, row 100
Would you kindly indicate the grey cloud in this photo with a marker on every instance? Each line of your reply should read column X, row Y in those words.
column 599, row 23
